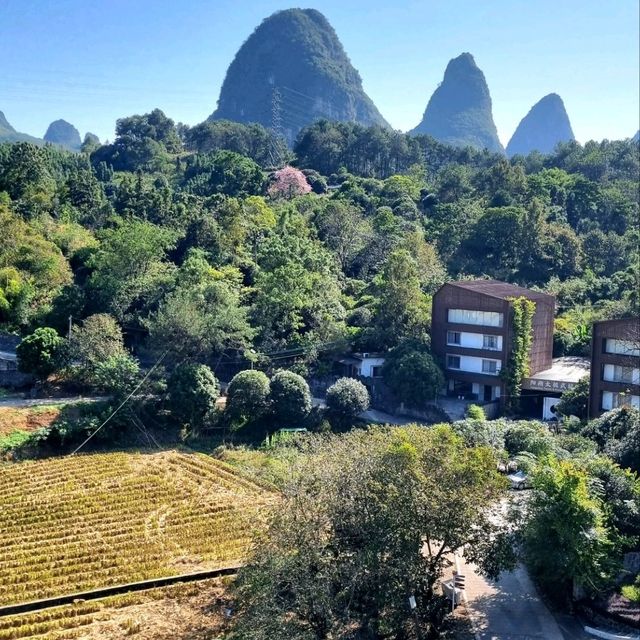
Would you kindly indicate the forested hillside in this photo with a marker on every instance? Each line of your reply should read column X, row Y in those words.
column 291, row 71
column 195, row 243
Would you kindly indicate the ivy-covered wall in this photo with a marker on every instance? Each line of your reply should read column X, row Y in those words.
column 517, row 367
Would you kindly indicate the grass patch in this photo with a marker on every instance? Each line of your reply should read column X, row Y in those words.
column 632, row 591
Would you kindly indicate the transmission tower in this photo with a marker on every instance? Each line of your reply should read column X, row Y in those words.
column 275, row 152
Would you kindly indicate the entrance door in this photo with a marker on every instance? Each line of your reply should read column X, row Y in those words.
column 487, row 392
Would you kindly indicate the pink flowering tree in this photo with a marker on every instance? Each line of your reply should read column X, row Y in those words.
column 288, row 182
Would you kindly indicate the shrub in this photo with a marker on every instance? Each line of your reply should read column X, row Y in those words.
column 117, row 375
column 248, row 395
column 347, row 398
column 475, row 412
column 193, row 391
column 40, row 353
column 528, row 437
column 290, row 398
column 617, row 433
column 481, row 433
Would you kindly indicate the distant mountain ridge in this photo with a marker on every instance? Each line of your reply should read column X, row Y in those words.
column 292, row 71
column 64, row 134
column 60, row 133
column 9, row 134
column 546, row 124
column 460, row 112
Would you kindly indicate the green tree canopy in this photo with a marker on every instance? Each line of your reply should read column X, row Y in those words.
column 565, row 535
column 367, row 520
column 290, row 399
column 412, row 374
column 193, row 391
column 248, row 395
column 347, row 398
column 40, row 353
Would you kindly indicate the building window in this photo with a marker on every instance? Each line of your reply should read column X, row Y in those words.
column 453, row 337
column 471, row 316
column 621, row 347
column 376, row 372
column 613, row 400
column 490, row 366
column 453, row 362
column 490, row 342
column 624, row 374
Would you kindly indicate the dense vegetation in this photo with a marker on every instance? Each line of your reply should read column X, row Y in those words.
column 186, row 258
column 196, row 248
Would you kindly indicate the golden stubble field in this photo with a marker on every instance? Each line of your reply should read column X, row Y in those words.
column 76, row 523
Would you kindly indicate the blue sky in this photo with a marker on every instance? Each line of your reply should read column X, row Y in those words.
column 92, row 61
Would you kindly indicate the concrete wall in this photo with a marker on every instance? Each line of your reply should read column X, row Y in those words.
column 366, row 368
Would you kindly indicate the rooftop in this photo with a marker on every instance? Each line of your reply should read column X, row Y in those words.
column 8, row 342
column 566, row 369
column 499, row 289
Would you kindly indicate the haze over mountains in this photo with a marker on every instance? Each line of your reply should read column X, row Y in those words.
column 9, row 134
column 293, row 70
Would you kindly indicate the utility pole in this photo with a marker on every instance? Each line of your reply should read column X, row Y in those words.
column 70, row 325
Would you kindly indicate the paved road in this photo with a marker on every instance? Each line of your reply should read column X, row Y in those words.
column 17, row 402
column 372, row 415
column 509, row 609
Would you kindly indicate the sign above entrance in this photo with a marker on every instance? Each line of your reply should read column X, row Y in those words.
column 534, row 384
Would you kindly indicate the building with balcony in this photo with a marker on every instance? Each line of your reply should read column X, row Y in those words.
column 472, row 335
column 615, row 365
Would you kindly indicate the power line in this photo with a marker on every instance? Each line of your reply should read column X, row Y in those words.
column 122, row 403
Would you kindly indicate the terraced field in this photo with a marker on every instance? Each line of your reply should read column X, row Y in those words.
column 194, row 611
column 77, row 523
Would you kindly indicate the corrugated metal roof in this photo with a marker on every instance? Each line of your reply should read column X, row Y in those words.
column 499, row 289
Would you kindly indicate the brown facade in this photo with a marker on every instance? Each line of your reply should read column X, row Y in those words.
column 489, row 295
column 628, row 331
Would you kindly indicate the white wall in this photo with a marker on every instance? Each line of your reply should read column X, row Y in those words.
column 473, row 364
column 547, row 405
column 475, row 340
column 610, row 374
column 366, row 368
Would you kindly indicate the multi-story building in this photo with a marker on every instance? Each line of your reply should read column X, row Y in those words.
column 472, row 334
column 615, row 365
